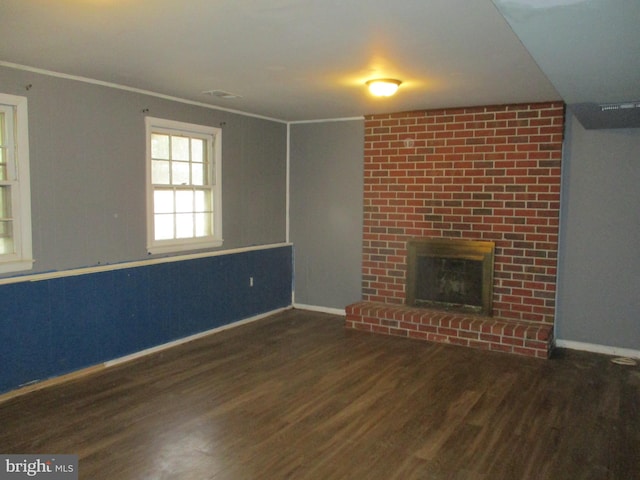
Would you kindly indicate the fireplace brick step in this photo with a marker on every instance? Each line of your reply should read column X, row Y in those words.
column 477, row 331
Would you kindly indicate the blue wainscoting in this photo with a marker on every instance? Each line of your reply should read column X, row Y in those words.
column 54, row 326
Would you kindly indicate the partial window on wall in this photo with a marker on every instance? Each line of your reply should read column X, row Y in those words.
column 15, row 195
column 184, row 192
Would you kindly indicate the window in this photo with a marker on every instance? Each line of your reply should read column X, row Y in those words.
column 183, row 186
column 15, row 195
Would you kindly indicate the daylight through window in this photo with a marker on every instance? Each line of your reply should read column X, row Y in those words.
column 15, row 198
column 184, row 188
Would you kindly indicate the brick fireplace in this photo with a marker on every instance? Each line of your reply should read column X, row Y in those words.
column 484, row 174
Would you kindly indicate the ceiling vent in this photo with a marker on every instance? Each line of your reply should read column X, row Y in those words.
column 619, row 106
column 607, row 115
column 221, row 94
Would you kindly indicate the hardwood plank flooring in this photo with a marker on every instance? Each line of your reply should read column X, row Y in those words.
column 296, row 396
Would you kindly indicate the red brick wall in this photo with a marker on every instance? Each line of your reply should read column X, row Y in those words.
column 483, row 173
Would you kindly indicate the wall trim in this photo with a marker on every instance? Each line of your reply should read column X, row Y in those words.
column 36, row 277
column 595, row 348
column 40, row 385
column 326, row 120
column 118, row 86
column 315, row 308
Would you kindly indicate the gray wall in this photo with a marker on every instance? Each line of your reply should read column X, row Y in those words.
column 87, row 147
column 599, row 263
column 599, row 269
column 326, row 162
column 87, row 154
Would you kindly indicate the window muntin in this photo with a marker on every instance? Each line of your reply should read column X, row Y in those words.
column 15, row 197
column 184, row 194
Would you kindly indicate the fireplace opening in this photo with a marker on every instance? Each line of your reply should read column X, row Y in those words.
column 450, row 274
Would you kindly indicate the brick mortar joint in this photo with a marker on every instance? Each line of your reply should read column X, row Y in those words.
column 389, row 311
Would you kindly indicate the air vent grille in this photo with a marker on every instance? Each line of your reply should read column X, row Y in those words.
column 221, row 94
column 608, row 115
column 619, row 106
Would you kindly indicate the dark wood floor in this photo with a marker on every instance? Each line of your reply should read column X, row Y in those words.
column 296, row 396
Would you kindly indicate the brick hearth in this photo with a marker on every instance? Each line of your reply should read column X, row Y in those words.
column 482, row 173
column 510, row 336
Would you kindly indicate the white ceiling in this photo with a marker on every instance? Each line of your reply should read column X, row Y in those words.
column 590, row 49
column 296, row 60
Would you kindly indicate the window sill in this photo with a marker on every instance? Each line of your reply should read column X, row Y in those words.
column 184, row 247
column 16, row 266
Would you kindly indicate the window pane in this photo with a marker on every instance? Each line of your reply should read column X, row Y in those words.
column 163, row 201
column 184, row 225
column 203, row 201
column 184, row 201
column 160, row 172
column 197, row 150
column 179, row 148
column 6, row 237
column 5, row 202
column 3, row 165
column 180, row 173
column 160, row 146
column 203, row 224
column 163, row 224
column 197, row 174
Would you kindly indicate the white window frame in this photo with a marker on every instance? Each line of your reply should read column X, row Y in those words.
column 160, row 125
column 17, row 131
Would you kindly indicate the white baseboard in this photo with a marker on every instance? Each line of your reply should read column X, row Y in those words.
column 315, row 308
column 40, row 384
column 190, row 338
column 594, row 348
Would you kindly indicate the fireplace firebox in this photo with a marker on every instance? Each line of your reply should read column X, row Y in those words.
column 450, row 274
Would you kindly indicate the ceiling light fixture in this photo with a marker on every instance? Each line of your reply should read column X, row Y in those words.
column 383, row 87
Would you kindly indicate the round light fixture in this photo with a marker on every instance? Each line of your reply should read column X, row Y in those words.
column 383, row 87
